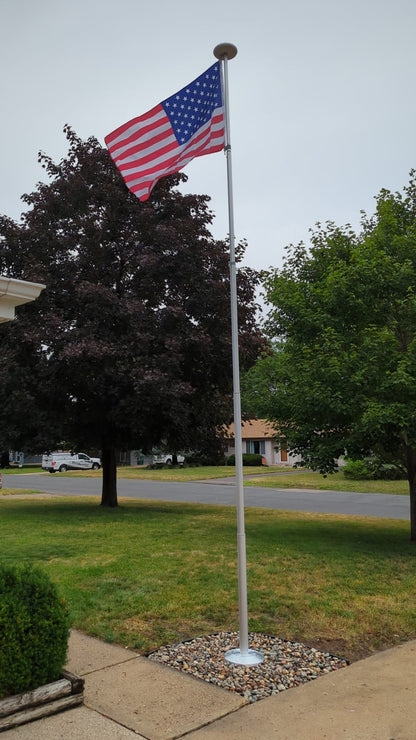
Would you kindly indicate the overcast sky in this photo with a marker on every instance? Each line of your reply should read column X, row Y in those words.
column 322, row 99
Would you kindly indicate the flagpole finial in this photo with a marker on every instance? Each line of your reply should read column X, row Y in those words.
column 225, row 50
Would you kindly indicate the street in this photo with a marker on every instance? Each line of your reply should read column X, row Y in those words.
column 212, row 492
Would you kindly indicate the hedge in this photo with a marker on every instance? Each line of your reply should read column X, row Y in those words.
column 250, row 460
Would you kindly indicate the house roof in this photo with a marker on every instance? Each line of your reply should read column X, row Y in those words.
column 253, row 429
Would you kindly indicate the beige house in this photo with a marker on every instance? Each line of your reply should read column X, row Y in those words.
column 15, row 292
column 261, row 438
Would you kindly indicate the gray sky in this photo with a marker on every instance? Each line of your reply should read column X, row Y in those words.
column 322, row 98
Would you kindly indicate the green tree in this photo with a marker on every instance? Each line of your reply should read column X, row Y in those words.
column 129, row 344
column 342, row 374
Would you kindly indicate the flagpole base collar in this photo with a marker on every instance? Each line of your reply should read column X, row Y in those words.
column 225, row 50
column 249, row 657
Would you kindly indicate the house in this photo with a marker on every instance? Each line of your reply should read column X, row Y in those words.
column 260, row 437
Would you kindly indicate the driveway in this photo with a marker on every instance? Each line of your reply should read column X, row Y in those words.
column 223, row 493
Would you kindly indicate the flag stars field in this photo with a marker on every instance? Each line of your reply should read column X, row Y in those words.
column 199, row 109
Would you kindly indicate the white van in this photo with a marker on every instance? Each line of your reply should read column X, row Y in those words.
column 63, row 461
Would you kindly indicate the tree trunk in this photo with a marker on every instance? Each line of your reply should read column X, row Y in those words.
column 411, row 475
column 109, row 490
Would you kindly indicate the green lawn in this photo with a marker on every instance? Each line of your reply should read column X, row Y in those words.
column 172, row 473
column 150, row 573
column 19, row 471
column 333, row 482
column 280, row 477
column 17, row 492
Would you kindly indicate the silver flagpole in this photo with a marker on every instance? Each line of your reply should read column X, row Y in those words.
column 242, row 655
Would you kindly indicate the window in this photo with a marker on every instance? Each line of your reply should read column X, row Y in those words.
column 256, row 446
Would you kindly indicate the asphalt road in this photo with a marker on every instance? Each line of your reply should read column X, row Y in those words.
column 214, row 492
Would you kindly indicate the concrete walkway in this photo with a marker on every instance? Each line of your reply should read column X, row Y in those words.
column 128, row 696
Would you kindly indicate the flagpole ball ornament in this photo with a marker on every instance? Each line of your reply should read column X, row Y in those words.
column 225, row 50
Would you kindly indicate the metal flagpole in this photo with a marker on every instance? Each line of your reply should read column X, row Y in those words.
column 242, row 655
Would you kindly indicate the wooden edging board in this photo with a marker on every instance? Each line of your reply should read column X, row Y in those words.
column 66, row 692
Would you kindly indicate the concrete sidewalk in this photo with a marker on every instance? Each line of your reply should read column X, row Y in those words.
column 128, row 696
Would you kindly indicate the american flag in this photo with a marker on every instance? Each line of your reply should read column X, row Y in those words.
column 162, row 141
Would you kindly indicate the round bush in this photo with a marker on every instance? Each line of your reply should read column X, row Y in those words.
column 34, row 630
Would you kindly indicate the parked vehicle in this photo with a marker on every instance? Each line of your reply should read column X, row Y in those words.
column 63, row 461
column 167, row 459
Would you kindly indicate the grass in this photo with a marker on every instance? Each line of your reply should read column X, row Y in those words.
column 333, row 482
column 25, row 469
column 170, row 473
column 282, row 477
column 16, row 491
column 152, row 573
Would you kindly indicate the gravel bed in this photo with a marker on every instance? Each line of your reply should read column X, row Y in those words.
column 286, row 664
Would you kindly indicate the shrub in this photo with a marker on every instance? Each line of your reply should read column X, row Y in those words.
column 358, row 470
column 371, row 468
column 250, row 460
column 34, row 630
